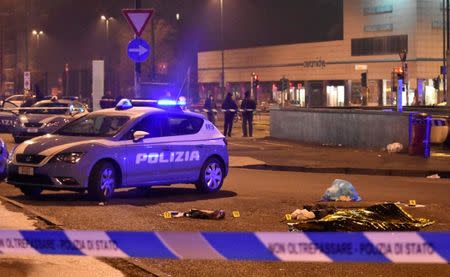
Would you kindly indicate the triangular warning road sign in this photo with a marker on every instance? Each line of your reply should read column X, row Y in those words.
column 138, row 19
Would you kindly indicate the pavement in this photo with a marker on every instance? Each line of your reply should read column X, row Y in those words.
column 42, row 266
column 284, row 155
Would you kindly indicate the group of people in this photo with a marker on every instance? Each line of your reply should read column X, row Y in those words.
column 230, row 108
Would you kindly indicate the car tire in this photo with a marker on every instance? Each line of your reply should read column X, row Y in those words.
column 211, row 176
column 102, row 181
column 32, row 192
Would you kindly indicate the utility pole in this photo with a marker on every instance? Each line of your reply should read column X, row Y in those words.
column 222, row 75
column 446, row 89
column 444, row 49
column 153, row 57
column 137, row 65
column 27, row 15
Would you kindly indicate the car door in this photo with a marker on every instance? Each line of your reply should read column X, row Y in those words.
column 185, row 146
column 143, row 157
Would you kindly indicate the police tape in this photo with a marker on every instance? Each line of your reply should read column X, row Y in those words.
column 378, row 247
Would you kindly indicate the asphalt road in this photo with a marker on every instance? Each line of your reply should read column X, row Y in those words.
column 262, row 197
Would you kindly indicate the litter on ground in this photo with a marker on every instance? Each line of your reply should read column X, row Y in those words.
column 341, row 190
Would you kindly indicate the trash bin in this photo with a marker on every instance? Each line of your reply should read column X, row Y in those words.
column 419, row 134
column 439, row 130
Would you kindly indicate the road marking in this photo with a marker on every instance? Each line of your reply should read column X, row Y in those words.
column 277, row 144
column 243, row 145
column 238, row 161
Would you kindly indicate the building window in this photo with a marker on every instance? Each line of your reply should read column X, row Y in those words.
column 379, row 27
column 379, row 45
column 378, row 9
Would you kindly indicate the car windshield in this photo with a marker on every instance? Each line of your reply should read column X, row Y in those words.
column 51, row 105
column 94, row 125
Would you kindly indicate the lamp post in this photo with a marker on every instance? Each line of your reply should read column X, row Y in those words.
column 402, row 83
column 37, row 34
column 107, row 19
column 222, row 76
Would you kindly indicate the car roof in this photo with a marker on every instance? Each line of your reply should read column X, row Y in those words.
column 61, row 101
column 136, row 112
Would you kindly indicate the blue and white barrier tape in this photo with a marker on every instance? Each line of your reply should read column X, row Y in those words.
column 384, row 247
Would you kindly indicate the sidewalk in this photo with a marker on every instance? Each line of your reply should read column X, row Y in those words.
column 278, row 154
column 44, row 266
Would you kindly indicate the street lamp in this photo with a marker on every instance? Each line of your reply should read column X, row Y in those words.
column 222, row 48
column 107, row 19
column 37, row 34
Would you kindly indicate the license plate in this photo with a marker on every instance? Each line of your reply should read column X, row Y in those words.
column 32, row 130
column 26, row 170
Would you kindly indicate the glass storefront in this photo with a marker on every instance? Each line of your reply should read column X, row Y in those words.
column 335, row 96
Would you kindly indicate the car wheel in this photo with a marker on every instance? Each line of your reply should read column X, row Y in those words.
column 211, row 176
column 102, row 181
column 31, row 191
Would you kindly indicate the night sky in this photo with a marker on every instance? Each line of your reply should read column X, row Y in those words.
column 247, row 23
column 75, row 34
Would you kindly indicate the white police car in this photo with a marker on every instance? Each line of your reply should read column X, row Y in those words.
column 123, row 147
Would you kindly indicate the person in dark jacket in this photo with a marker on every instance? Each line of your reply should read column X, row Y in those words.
column 228, row 105
column 249, row 106
column 210, row 104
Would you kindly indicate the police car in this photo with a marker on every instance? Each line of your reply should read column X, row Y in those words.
column 46, row 116
column 123, row 147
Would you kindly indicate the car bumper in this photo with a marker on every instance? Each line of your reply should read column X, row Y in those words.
column 56, row 176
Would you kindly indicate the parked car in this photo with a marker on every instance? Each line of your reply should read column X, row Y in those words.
column 46, row 116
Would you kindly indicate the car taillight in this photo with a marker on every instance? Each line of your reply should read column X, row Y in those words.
column 225, row 141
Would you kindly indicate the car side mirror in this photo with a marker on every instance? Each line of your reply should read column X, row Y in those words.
column 138, row 135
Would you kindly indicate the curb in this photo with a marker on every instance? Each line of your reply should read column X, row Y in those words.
column 347, row 170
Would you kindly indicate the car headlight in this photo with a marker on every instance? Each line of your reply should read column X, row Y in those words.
column 22, row 120
column 72, row 157
column 53, row 124
column 11, row 154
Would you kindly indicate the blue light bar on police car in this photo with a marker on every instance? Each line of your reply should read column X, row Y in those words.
column 124, row 104
column 169, row 102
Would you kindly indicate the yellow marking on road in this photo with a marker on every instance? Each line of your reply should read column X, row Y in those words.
column 277, row 144
column 167, row 215
column 440, row 154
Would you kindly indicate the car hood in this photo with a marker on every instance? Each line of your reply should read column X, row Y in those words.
column 48, row 145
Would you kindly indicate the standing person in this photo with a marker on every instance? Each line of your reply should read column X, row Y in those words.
column 229, row 104
column 247, row 116
column 209, row 105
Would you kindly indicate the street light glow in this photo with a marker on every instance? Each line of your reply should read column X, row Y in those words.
column 103, row 17
column 35, row 32
column 177, row 16
column 41, row 32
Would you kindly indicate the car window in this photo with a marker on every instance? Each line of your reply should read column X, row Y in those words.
column 46, row 104
column 183, row 125
column 152, row 124
column 97, row 125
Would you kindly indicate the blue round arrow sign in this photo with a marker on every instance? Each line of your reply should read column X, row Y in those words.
column 138, row 50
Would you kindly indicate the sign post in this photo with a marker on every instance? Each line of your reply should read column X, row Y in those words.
column 404, row 83
column 138, row 49
column 27, row 80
